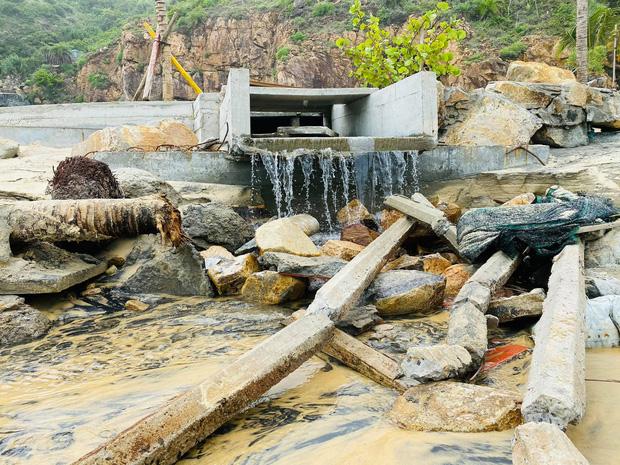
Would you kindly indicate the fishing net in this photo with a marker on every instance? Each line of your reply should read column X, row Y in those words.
column 544, row 227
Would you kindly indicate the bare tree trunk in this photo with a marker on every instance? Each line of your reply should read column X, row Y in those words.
column 582, row 41
column 162, row 25
column 92, row 219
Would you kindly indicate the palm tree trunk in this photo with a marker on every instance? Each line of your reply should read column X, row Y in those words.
column 582, row 41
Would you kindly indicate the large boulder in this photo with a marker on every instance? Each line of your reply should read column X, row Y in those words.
column 285, row 236
column 20, row 323
column 136, row 183
column 229, row 275
column 214, row 224
column 272, row 288
column 600, row 328
column 604, row 251
column 154, row 268
column 457, row 407
column 303, row 267
column 522, row 71
column 404, row 292
column 527, row 95
column 493, row 120
column 146, row 138
column 565, row 136
column 8, row 148
column 603, row 109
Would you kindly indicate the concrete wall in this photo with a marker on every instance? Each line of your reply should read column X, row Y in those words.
column 405, row 109
column 235, row 106
column 68, row 124
column 207, row 116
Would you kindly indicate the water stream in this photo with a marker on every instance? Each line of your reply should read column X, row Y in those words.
column 334, row 178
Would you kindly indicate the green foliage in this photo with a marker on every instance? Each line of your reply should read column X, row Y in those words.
column 597, row 58
column 323, row 9
column 487, row 8
column 119, row 56
column 98, row 81
column 283, row 53
column 46, row 84
column 384, row 57
column 298, row 37
column 513, row 51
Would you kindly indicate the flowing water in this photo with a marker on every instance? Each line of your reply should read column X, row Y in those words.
column 335, row 178
column 99, row 370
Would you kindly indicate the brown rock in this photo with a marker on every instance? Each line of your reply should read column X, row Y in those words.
column 452, row 211
column 358, row 234
column 146, row 138
column 522, row 71
column 216, row 251
column 523, row 94
column 228, row 275
column 518, row 306
column 405, row 262
column 272, row 288
column 435, row 264
column 354, row 212
column 341, row 249
column 389, row 217
column 523, row 199
column 457, row 407
column 136, row 306
column 456, row 276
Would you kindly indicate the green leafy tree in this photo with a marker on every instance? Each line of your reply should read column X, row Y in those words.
column 384, row 57
column 47, row 85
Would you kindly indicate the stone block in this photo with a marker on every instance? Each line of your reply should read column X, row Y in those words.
column 544, row 444
column 468, row 328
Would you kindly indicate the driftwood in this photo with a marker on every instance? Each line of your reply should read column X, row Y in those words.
column 88, row 220
column 184, row 421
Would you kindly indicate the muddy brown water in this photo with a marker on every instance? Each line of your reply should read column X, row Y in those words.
column 98, row 371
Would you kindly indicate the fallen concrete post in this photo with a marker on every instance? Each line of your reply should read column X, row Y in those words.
column 344, row 290
column 421, row 209
column 544, row 444
column 91, row 220
column 164, row 436
column 556, row 384
column 467, row 326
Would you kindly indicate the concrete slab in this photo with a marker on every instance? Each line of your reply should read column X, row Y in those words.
column 544, row 444
column 44, row 269
column 344, row 144
column 281, row 98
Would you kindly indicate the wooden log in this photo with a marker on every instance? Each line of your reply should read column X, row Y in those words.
column 425, row 212
column 344, row 290
column 173, row 429
column 556, row 382
column 164, row 436
column 92, row 219
column 150, row 71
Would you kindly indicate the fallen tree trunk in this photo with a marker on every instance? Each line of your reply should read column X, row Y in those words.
column 164, row 436
column 91, row 220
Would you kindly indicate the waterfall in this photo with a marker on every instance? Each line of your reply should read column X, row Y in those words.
column 320, row 182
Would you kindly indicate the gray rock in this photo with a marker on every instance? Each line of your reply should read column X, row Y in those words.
column 302, row 267
column 402, row 292
column 215, row 224
column 358, row 319
column 10, row 302
column 600, row 328
column 518, row 306
column 139, row 183
column 544, row 444
column 603, row 281
column 562, row 136
column 8, row 148
column 435, row 363
column 153, row 268
column 22, row 324
column 604, row 109
column 604, row 251
column 468, row 328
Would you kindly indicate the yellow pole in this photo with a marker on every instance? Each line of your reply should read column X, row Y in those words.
column 176, row 63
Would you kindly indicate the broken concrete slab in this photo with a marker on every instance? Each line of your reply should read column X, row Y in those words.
column 468, row 328
column 519, row 306
column 42, row 268
column 403, row 292
column 600, row 328
column 544, row 444
column 456, row 407
column 556, row 383
column 434, row 363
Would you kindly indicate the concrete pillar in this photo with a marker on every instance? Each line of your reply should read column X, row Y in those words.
column 206, row 109
column 235, row 108
column 544, row 444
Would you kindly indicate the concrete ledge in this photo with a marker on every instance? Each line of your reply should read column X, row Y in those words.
column 345, row 144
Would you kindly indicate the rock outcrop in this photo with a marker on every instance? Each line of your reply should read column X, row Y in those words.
column 527, row 71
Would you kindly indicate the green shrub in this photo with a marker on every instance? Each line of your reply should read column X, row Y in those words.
column 298, row 37
column 119, row 56
column 597, row 58
column 323, row 9
column 283, row 53
column 475, row 58
column 98, row 81
column 513, row 51
column 384, row 57
column 47, row 85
